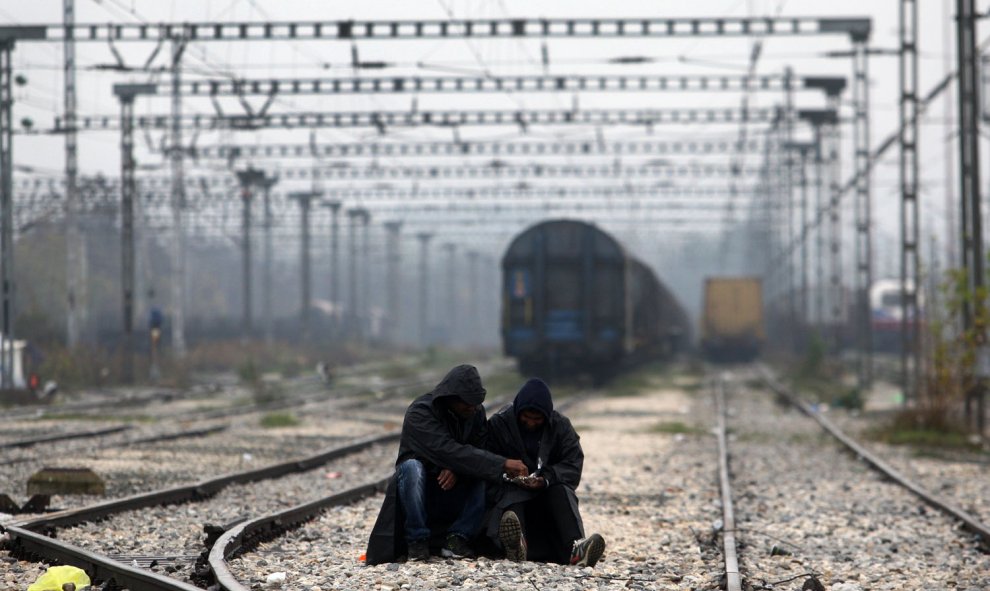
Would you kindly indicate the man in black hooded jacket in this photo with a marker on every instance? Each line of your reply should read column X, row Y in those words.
column 438, row 488
column 536, row 517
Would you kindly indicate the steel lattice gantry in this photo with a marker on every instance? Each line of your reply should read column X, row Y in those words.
column 487, row 84
column 382, row 120
column 391, row 30
column 384, row 30
column 473, row 148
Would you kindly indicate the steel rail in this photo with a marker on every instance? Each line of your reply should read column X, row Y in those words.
column 28, row 442
column 248, row 533
column 99, row 568
column 733, row 580
column 244, row 535
column 198, row 490
column 969, row 521
column 189, row 433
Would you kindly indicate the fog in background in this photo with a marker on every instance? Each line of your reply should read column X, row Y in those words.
column 684, row 244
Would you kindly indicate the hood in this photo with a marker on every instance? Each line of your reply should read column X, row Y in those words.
column 464, row 382
column 534, row 395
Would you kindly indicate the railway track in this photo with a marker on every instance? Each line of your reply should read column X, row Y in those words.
column 26, row 537
column 804, row 509
column 125, row 455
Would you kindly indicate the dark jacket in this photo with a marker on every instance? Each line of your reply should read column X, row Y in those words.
column 438, row 438
column 560, row 456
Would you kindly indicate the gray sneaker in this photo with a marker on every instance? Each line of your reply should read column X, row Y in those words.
column 511, row 535
column 588, row 551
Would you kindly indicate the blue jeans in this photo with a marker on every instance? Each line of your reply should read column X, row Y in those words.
column 423, row 502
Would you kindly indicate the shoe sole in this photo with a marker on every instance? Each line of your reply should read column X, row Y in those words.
column 510, row 534
column 449, row 554
column 595, row 550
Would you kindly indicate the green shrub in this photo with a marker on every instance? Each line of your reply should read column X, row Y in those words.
column 275, row 420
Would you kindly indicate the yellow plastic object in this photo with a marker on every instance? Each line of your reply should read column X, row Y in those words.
column 56, row 576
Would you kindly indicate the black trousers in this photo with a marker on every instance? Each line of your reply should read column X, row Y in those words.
column 549, row 524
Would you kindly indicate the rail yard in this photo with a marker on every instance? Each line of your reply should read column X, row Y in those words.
column 497, row 295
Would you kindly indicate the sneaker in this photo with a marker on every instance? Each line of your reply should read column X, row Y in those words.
column 457, row 547
column 510, row 533
column 588, row 551
column 419, row 551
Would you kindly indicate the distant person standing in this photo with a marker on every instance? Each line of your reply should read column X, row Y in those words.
column 438, row 489
column 536, row 518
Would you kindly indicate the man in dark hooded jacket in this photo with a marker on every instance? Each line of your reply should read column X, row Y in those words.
column 438, row 487
column 537, row 518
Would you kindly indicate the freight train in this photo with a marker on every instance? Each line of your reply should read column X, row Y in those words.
column 575, row 301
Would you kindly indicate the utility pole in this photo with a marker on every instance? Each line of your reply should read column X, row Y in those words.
column 424, row 283
column 334, row 207
column 268, row 183
column 305, row 199
column 248, row 179
column 125, row 94
column 393, row 313
column 974, row 321
column 73, row 248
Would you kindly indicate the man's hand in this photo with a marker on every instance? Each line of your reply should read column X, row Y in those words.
column 515, row 468
column 447, row 479
column 535, row 483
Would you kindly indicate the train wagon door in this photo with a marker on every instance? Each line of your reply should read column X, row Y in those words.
column 564, row 287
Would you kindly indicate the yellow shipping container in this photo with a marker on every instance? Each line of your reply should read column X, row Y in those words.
column 732, row 324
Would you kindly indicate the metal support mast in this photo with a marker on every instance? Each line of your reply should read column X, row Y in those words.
column 424, row 283
column 248, row 180
column 178, row 282
column 863, row 213
column 974, row 315
column 353, row 320
column 393, row 312
column 834, row 168
column 364, row 298
column 127, row 231
column 6, row 214
column 787, row 192
column 910, row 263
column 125, row 94
column 473, row 295
column 451, row 249
column 266, row 295
column 334, row 207
column 804, row 150
column 73, row 248
column 305, row 199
